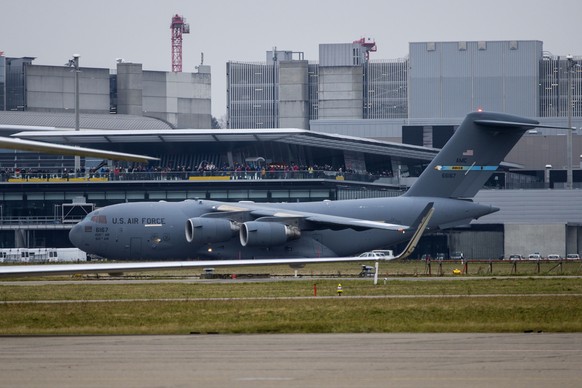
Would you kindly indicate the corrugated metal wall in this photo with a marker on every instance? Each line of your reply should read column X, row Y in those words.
column 476, row 244
column 532, row 206
column 450, row 79
column 251, row 100
column 341, row 54
column 386, row 89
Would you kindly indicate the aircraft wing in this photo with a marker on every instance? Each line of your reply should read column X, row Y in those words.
column 37, row 146
column 267, row 214
column 69, row 269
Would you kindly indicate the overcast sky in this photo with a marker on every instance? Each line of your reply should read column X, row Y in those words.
column 243, row 30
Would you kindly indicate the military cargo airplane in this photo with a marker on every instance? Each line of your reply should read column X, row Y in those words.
column 272, row 233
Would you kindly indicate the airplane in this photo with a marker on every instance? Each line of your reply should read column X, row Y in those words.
column 170, row 234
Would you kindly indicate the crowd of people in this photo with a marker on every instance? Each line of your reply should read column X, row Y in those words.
column 139, row 171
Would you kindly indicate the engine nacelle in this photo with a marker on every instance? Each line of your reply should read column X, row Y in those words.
column 203, row 230
column 266, row 234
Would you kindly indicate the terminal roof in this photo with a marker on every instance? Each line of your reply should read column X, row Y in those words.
column 282, row 135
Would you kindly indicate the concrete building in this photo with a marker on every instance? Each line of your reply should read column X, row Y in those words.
column 449, row 79
column 286, row 90
column 437, row 82
column 180, row 99
column 419, row 100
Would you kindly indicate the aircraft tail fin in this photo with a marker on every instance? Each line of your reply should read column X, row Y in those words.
column 472, row 155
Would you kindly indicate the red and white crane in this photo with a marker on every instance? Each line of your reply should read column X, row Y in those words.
column 178, row 27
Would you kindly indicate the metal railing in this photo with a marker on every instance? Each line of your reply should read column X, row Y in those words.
column 188, row 175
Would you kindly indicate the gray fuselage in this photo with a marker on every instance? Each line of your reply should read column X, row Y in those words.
column 157, row 230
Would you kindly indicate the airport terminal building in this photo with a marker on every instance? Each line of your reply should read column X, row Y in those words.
column 417, row 100
column 367, row 126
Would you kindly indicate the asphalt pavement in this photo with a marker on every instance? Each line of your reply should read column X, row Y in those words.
column 294, row 360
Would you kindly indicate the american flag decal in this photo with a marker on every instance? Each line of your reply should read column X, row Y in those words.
column 88, row 229
column 468, row 153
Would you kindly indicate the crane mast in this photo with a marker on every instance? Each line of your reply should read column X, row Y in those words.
column 178, row 27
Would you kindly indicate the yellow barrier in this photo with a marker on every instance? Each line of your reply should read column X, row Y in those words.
column 210, row 178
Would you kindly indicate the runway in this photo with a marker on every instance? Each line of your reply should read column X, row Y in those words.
column 306, row 360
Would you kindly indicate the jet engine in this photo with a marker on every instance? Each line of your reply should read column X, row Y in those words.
column 202, row 230
column 265, row 234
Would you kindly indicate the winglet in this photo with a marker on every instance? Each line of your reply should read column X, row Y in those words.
column 420, row 225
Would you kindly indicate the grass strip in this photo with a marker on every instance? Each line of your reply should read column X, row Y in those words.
column 555, row 305
column 292, row 288
column 335, row 315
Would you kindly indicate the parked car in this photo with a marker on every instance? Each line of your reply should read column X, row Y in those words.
column 572, row 256
column 388, row 253
column 515, row 257
column 372, row 255
column 441, row 256
column 553, row 256
column 534, row 256
column 457, row 256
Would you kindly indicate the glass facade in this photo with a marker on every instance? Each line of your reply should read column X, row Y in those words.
column 554, row 86
column 16, row 83
column 313, row 85
column 2, row 82
column 386, row 89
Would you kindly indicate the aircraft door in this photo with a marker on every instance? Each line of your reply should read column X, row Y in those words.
column 135, row 247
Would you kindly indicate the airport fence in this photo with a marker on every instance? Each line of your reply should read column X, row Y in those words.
column 503, row 267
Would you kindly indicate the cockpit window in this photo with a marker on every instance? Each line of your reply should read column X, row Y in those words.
column 99, row 219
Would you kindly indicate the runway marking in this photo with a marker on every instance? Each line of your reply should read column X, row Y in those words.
column 264, row 379
column 457, row 296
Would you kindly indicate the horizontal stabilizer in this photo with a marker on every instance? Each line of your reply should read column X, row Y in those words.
column 515, row 124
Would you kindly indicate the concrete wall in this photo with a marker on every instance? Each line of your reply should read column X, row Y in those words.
column 181, row 99
column 52, row 89
column 536, row 151
column 524, row 239
column 293, row 95
column 129, row 88
column 341, row 92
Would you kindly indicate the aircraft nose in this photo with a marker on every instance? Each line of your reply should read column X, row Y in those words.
column 75, row 235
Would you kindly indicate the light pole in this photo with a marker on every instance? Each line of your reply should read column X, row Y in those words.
column 569, row 178
column 547, row 177
column 74, row 63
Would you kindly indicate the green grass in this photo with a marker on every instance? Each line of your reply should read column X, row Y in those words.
column 291, row 288
column 502, row 305
column 296, row 316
